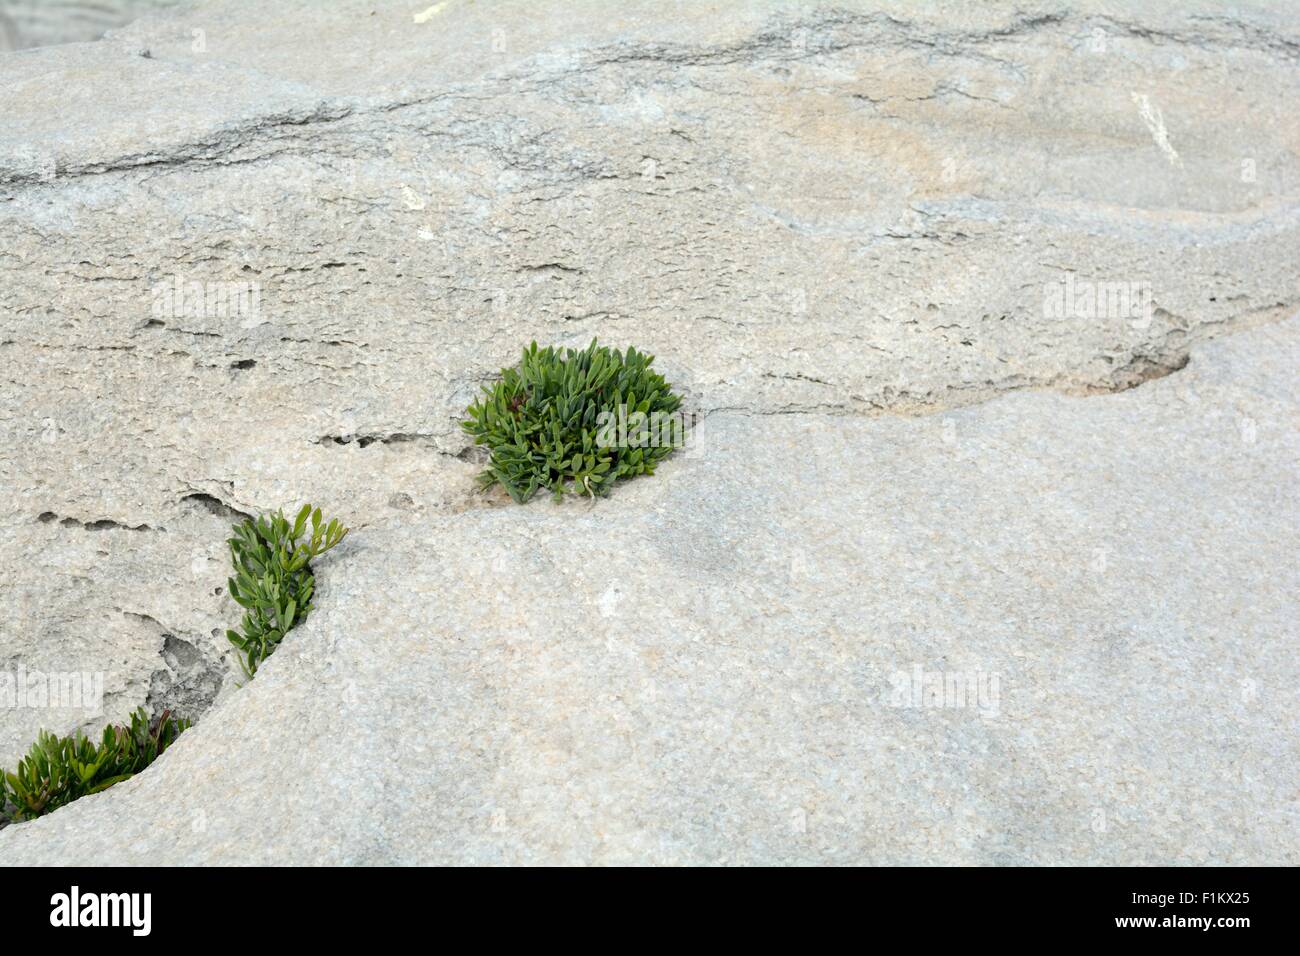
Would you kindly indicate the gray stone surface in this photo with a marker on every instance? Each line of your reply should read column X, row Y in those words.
column 32, row 23
column 840, row 228
column 699, row 669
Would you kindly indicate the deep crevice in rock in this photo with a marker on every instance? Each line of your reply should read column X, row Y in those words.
column 215, row 506
column 188, row 683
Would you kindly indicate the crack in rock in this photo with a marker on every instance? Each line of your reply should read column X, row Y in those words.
column 99, row 524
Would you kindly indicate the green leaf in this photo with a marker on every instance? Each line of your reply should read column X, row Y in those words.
column 540, row 421
column 58, row 770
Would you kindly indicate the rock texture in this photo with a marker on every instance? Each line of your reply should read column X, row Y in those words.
column 700, row 669
column 847, row 231
column 31, row 23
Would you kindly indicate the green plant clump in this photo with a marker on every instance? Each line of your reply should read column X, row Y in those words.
column 273, row 581
column 58, row 770
column 559, row 420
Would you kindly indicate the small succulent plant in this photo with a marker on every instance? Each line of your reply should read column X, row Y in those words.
column 273, row 581
column 559, row 420
column 58, row 770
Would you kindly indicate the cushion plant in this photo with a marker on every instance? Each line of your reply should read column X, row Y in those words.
column 58, row 770
column 549, row 421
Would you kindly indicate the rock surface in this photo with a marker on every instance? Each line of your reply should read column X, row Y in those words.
column 31, row 23
column 701, row 669
column 846, row 231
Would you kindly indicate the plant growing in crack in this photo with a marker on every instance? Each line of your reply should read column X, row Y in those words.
column 58, row 770
column 273, row 581
column 574, row 421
